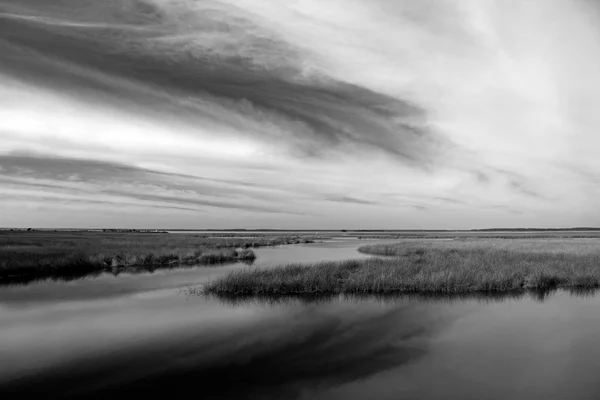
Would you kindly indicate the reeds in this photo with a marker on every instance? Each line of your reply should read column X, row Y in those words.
column 40, row 263
column 422, row 270
column 56, row 254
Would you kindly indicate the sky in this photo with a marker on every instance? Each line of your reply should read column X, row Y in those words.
column 299, row 114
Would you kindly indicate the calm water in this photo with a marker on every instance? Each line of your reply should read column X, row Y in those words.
column 142, row 335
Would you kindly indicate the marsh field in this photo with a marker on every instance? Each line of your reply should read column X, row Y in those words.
column 40, row 254
column 462, row 265
column 310, row 315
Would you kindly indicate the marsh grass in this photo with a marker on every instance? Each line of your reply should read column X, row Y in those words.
column 268, row 300
column 577, row 246
column 55, row 254
column 445, row 268
column 54, row 263
column 476, row 235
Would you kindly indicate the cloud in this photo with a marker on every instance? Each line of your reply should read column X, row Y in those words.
column 73, row 169
column 352, row 200
column 309, row 101
column 118, row 203
column 259, row 83
column 122, row 184
column 522, row 188
column 519, row 183
column 481, row 177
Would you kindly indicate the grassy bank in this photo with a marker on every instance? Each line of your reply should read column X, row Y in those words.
column 571, row 246
column 481, row 236
column 53, row 254
column 430, row 267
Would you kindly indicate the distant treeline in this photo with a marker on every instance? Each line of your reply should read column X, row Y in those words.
column 536, row 229
column 312, row 230
column 82, row 230
column 398, row 230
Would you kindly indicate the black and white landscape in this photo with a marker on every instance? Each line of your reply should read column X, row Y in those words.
column 299, row 199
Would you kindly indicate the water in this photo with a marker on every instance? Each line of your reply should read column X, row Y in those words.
column 107, row 284
column 141, row 335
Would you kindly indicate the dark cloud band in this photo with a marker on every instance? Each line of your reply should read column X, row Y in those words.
column 220, row 61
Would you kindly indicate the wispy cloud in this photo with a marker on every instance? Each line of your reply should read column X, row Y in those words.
column 122, row 183
column 351, row 200
column 248, row 88
column 283, row 109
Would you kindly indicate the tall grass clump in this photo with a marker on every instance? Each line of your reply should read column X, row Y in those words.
column 417, row 269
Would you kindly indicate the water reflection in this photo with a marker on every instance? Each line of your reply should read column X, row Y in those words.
column 166, row 343
column 280, row 352
column 23, row 280
column 386, row 298
column 76, row 274
column 583, row 293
